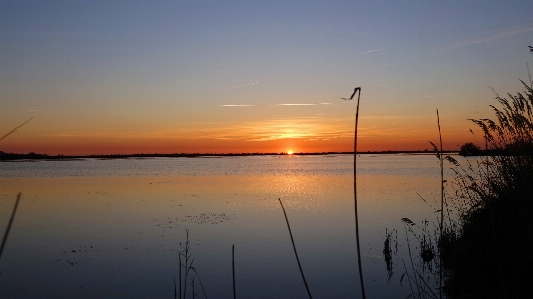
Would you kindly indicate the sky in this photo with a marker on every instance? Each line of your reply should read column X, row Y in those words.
column 122, row 77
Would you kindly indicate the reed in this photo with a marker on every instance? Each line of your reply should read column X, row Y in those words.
column 360, row 267
column 498, row 201
column 15, row 129
column 441, row 199
column 187, row 265
column 233, row 270
column 6, row 234
column 295, row 251
column 484, row 232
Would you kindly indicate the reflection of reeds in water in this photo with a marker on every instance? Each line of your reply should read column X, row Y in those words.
column 388, row 251
column 6, row 234
column 295, row 251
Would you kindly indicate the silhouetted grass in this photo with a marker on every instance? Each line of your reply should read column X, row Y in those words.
column 190, row 272
column 484, row 236
column 490, row 255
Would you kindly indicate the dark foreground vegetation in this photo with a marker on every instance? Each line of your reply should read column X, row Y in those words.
column 488, row 254
column 484, row 247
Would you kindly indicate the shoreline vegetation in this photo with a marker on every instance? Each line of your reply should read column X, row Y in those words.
column 34, row 156
column 482, row 247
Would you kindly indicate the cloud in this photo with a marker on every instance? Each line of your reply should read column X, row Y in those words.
column 489, row 39
column 36, row 110
column 238, row 86
column 372, row 51
column 294, row 105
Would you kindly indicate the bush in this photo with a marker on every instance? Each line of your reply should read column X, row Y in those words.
column 469, row 149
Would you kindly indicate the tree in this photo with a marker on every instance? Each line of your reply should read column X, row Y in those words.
column 469, row 149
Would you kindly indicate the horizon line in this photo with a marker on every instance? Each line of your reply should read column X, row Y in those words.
column 44, row 155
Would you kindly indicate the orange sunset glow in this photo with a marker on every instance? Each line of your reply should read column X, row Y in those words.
column 247, row 84
column 139, row 136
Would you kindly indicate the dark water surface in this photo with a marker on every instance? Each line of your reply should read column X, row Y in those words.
column 112, row 228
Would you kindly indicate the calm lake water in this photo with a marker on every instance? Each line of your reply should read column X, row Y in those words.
column 112, row 228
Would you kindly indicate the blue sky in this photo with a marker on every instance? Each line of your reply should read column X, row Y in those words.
column 188, row 75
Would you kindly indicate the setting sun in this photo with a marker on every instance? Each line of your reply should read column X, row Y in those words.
column 289, row 152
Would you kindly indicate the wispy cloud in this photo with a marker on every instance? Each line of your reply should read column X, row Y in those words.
column 375, row 50
column 244, row 85
column 302, row 104
column 289, row 104
column 489, row 39
column 36, row 110
column 273, row 105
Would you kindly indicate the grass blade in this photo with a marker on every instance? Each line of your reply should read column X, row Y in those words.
column 6, row 234
column 294, row 247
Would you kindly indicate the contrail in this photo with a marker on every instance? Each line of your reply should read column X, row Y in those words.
column 15, row 129
column 294, row 105
column 488, row 39
column 372, row 51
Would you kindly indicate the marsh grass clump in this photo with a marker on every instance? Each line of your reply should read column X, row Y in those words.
column 482, row 246
column 489, row 255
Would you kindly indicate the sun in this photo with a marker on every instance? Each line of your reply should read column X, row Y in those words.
column 289, row 152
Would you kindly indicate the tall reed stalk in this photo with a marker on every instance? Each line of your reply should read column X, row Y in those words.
column 355, row 195
column 233, row 270
column 295, row 251
column 441, row 226
column 6, row 234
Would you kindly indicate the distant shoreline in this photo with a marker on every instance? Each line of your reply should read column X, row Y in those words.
column 34, row 156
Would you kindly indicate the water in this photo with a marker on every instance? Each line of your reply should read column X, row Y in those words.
column 112, row 228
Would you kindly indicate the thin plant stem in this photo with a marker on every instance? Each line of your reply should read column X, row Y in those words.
column 6, row 234
column 408, row 278
column 199, row 280
column 355, row 198
column 179, row 258
column 441, row 203
column 187, row 265
column 233, row 269
column 412, row 261
column 294, row 247
column 15, row 129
